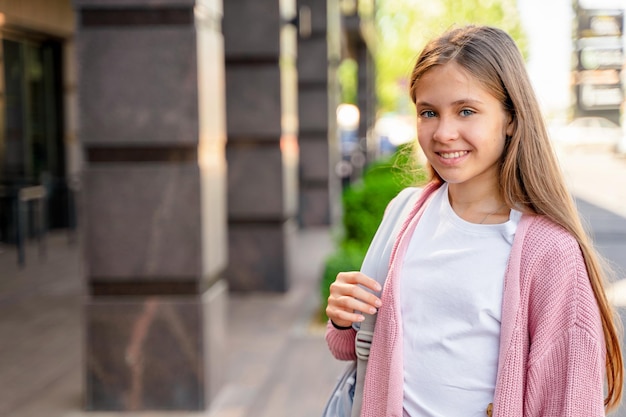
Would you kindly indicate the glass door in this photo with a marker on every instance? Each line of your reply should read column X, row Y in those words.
column 31, row 134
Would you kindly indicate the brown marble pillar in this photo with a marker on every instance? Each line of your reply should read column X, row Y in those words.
column 151, row 119
column 360, row 33
column 366, row 97
column 262, row 148
column 319, row 55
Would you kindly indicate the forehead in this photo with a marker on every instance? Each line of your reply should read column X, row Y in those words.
column 449, row 69
column 449, row 79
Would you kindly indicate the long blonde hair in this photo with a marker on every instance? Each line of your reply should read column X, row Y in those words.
column 530, row 177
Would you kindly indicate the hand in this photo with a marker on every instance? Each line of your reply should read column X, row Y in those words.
column 347, row 295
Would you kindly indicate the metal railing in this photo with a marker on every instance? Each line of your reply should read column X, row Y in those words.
column 20, row 200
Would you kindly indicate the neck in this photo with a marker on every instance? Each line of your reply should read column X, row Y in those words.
column 480, row 203
column 474, row 195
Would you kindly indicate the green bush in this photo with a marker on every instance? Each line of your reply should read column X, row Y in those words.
column 364, row 204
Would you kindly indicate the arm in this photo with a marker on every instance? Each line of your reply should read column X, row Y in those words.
column 353, row 292
column 567, row 380
column 565, row 372
column 349, row 296
column 341, row 342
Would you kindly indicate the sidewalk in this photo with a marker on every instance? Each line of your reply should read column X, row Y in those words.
column 598, row 181
column 278, row 364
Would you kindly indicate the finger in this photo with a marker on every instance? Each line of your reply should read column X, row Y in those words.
column 353, row 296
column 343, row 318
column 350, row 303
column 356, row 277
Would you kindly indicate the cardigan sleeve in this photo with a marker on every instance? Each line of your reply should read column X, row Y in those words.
column 566, row 359
column 567, row 380
column 341, row 342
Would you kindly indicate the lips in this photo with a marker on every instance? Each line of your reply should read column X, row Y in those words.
column 452, row 155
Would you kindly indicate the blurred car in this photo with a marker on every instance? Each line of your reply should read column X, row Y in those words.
column 588, row 132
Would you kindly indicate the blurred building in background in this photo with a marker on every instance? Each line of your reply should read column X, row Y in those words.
column 197, row 136
column 38, row 140
column 599, row 60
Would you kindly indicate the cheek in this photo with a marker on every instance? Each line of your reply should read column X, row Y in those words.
column 421, row 140
column 499, row 146
column 423, row 136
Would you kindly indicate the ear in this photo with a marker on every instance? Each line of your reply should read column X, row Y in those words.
column 511, row 126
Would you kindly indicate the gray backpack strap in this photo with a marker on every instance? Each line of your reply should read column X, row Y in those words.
column 363, row 343
column 376, row 265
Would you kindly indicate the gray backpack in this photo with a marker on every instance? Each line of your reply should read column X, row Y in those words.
column 347, row 395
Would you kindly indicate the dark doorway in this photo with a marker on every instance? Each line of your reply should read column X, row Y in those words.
column 31, row 135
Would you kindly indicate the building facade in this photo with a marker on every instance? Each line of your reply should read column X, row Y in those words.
column 188, row 152
column 598, row 61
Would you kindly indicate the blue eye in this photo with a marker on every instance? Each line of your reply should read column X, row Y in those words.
column 428, row 114
column 467, row 112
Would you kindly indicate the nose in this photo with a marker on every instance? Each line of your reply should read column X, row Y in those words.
column 446, row 130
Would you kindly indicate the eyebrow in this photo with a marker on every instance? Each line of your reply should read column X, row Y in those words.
column 454, row 103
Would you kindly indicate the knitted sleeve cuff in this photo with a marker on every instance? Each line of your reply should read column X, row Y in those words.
column 339, row 327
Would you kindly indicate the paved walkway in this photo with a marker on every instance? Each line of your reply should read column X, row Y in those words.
column 278, row 364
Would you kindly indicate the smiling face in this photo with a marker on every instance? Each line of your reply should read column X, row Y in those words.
column 461, row 127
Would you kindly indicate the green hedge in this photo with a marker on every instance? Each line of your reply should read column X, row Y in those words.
column 363, row 206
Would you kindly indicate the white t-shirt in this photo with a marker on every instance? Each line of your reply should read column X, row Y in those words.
column 451, row 283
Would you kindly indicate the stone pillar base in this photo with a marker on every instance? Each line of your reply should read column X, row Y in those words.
column 155, row 353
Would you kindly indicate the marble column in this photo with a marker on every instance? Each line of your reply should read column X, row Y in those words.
column 366, row 96
column 152, row 124
column 360, row 33
column 262, row 148
column 319, row 55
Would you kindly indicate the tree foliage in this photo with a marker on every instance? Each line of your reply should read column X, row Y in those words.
column 404, row 27
column 348, row 79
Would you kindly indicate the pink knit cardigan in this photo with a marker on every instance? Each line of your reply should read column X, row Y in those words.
column 552, row 351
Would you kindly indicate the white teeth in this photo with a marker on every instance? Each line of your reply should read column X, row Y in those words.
column 450, row 155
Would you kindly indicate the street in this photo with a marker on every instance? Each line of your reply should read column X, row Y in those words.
column 598, row 182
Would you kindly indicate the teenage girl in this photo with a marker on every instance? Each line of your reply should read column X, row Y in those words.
column 494, row 301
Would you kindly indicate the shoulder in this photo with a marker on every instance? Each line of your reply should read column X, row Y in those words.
column 408, row 192
column 403, row 197
column 417, row 193
column 543, row 237
column 554, row 272
column 552, row 263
